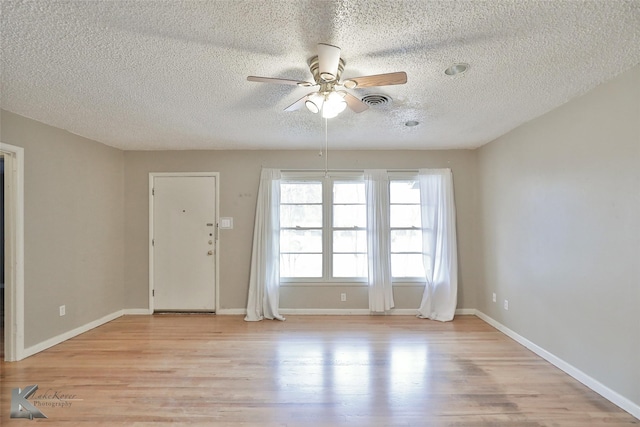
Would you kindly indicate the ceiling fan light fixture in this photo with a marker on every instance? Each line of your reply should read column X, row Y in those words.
column 328, row 113
column 311, row 106
column 314, row 103
column 333, row 105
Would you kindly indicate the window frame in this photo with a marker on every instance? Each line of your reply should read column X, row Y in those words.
column 404, row 176
column 302, row 228
column 332, row 204
column 327, row 181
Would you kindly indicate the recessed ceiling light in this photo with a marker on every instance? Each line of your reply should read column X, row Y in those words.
column 456, row 69
column 412, row 123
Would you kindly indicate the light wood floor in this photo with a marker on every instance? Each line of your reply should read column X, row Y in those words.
column 307, row 371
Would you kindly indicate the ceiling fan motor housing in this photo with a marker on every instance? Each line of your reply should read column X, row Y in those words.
column 314, row 67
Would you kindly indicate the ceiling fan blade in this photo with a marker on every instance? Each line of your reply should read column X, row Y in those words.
column 328, row 61
column 397, row 78
column 355, row 104
column 279, row 81
column 299, row 103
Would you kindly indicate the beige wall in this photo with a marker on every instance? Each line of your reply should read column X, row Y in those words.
column 560, row 221
column 239, row 178
column 73, row 227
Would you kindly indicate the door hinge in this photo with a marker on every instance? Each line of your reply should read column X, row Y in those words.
column 153, row 242
column 153, row 292
column 153, row 191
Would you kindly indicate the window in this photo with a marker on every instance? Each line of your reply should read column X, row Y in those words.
column 406, row 229
column 323, row 213
column 323, row 229
column 349, row 229
column 301, row 229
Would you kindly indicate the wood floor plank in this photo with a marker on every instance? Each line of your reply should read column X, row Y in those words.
column 307, row 371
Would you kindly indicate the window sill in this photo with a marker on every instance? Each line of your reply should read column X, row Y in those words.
column 347, row 283
column 318, row 284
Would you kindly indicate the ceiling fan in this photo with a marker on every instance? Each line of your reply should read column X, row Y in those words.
column 330, row 98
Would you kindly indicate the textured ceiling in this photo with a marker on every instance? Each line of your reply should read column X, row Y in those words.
column 172, row 74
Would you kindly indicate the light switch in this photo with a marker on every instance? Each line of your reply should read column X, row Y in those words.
column 226, row 223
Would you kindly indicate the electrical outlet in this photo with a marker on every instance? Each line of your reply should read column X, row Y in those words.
column 63, row 310
column 506, row 304
column 343, row 296
column 494, row 297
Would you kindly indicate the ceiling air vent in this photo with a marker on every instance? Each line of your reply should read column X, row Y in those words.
column 376, row 100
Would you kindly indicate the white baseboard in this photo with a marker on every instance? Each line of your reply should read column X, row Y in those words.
column 362, row 311
column 309, row 311
column 571, row 370
column 231, row 311
column 136, row 311
column 325, row 311
column 70, row 334
column 402, row 312
column 414, row 311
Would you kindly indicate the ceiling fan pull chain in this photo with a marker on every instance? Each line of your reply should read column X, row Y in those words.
column 326, row 150
column 321, row 153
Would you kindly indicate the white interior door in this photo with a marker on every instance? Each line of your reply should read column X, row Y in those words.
column 184, row 243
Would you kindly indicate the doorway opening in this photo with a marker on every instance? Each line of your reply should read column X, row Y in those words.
column 13, row 251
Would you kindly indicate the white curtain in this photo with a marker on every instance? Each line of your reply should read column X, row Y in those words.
column 378, row 244
column 439, row 248
column 264, row 278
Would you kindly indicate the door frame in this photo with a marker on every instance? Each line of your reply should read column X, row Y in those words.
column 14, row 252
column 152, row 176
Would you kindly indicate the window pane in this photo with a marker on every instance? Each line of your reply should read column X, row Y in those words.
column 406, row 240
column 404, row 192
column 301, row 192
column 405, row 216
column 349, row 216
column 301, row 241
column 350, row 265
column 407, row 265
column 300, row 265
column 348, row 192
column 350, row 241
column 301, row 216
